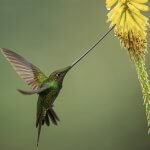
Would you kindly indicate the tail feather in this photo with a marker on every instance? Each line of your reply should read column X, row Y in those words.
column 39, row 130
column 43, row 121
column 47, row 120
column 49, row 116
column 54, row 114
column 52, row 117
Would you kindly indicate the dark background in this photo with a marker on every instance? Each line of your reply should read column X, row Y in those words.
column 100, row 105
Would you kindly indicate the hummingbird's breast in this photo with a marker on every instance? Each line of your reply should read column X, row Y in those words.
column 48, row 97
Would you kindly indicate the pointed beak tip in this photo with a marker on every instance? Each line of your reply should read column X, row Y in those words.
column 66, row 70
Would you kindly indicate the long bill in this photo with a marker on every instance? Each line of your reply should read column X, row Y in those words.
column 86, row 52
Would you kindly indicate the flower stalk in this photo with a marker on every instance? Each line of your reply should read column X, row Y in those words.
column 145, row 84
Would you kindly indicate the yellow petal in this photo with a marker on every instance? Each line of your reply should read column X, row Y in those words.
column 123, row 20
column 140, row 1
column 115, row 14
column 110, row 3
column 141, row 7
column 134, row 10
column 143, row 18
column 131, row 24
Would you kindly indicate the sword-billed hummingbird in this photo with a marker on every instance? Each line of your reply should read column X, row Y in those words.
column 47, row 88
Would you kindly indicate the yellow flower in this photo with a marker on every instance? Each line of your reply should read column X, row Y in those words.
column 131, row 28
column 130, row 24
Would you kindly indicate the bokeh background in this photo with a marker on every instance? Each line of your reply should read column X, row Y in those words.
column 100, row 105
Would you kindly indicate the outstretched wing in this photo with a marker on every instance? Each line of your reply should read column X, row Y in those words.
column 27, row 71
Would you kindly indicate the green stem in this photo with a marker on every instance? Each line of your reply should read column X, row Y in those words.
column 144, row 81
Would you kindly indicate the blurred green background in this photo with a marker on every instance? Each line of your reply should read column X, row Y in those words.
column 100, row 105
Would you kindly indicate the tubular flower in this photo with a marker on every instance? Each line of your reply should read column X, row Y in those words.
column 130, row 24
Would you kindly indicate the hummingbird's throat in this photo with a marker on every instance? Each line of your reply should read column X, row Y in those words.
column 53, row 84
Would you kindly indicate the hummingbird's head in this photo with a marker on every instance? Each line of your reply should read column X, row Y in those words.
column 59, row 75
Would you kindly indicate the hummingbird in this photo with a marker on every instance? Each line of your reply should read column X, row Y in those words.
column 46, row 87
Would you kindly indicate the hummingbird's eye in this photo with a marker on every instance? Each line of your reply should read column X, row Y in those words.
column 58, row 74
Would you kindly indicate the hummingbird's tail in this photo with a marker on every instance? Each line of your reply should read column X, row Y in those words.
column 45, row 118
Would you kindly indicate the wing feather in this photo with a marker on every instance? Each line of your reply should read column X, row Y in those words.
column 31, row 74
